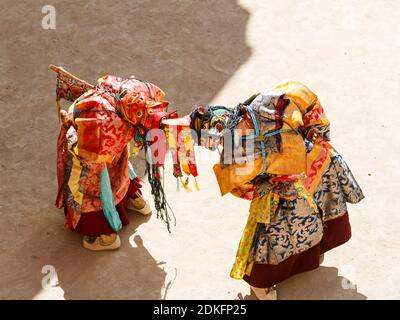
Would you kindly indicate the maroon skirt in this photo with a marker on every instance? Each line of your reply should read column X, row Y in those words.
column 336, row 233
column 94, row 223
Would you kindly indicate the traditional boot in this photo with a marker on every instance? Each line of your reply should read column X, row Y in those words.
column 265, row 293
column 102, row 242
column 139, row 205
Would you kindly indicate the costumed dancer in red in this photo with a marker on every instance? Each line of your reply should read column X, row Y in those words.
column 96, row 182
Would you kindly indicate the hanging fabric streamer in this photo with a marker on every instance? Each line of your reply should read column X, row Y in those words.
column 107, row 201
column 181, row 145
column 132, row 173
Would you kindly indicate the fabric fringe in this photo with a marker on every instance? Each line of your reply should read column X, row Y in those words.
column 196, row 185
column 185, row 184
column 157, row 191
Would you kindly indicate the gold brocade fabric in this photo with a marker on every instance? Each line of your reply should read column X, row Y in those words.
column 302, row 113
column 236, row 175
column 261, row 210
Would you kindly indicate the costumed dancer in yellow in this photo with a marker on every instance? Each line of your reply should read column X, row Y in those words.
column 276, row 153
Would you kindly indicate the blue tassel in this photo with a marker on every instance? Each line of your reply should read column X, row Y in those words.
column 132, row 172
column 107, row 201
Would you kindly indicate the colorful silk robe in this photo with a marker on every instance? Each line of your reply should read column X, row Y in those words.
column 294, row 177
column 97, row 139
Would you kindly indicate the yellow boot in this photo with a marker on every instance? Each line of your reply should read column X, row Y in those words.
column 139, row 205
column 265, row 293
column 102, row 242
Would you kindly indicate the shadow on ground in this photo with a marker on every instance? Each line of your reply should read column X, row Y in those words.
column 323, row 283
column 190, row 49
column 106, row 275
column 128, row 273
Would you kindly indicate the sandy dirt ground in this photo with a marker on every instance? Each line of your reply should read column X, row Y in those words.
column 221, row 51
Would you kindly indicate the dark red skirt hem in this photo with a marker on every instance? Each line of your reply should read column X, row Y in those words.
column 336, row 233
column 94, row 223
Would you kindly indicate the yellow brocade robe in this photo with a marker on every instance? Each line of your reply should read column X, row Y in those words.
column 296, row 111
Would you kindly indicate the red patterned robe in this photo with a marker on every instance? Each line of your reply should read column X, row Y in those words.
column 98, row 138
